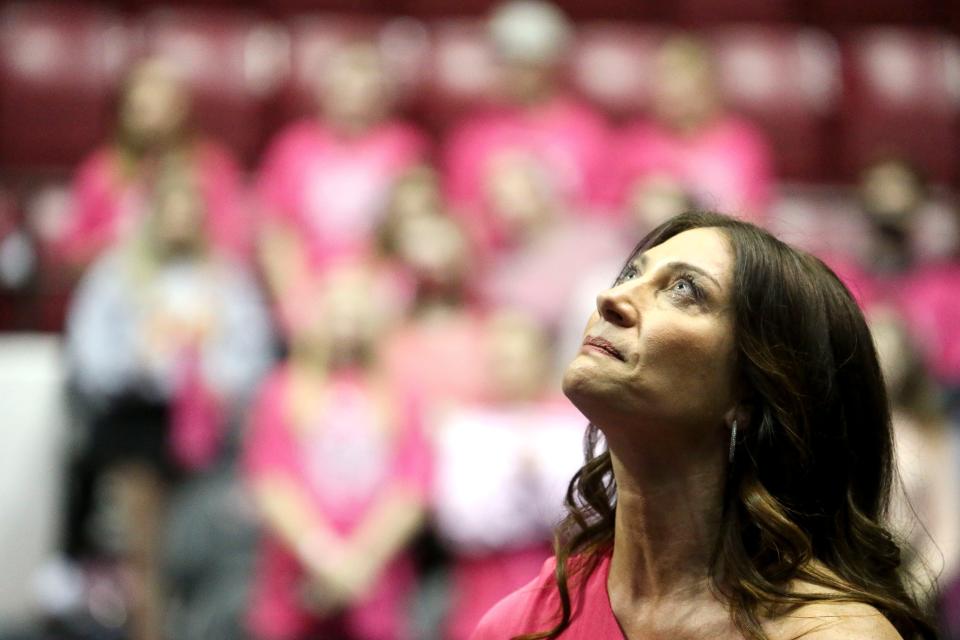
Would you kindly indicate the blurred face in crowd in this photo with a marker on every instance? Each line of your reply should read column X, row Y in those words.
column 528, row 38
column 659, row 350
column 518, row 358
column 520, row 192
column 526, row 82
column 346, row 319
column 416, row 192
column 684, row 94
column 655, row 199
column 890, row 191
column 435, row 250
column 355, row 91
column 893, row 348
column 178, row 216
column 154, row 106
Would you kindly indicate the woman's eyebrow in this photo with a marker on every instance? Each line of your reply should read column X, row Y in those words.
column 640, row 262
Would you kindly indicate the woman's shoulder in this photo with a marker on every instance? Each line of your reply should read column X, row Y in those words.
column 529, row 608
column 536, row 606
column 833, row 621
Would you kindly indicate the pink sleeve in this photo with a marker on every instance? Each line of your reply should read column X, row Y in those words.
column 414, row 146
column 600, row 190
column 268, row 446
column 928, row 304
column 758, row 170
column 462, row 156
column 89, row 227
column 526, row 610
column 414, row 458
column 229, row 221
column 276, row 186
column 463, row 161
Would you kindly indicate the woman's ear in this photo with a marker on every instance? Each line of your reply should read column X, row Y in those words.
column 740, row 413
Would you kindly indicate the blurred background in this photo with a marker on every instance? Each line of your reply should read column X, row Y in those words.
column 286, row 287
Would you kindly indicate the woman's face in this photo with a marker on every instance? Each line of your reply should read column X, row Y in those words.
column 433, row 248
column 155, row 104
column 518, row 358
column 659, row 351
column 355, row 91
column 684, row 95
column 347, row 317
column 890, row 192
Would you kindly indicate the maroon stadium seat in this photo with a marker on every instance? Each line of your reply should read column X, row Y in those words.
column 703, row 12
column 824, row 220
column 901, row 96
column 59, row 71
column 291, row 8
column 576, row 9
column 233, row 63
column 787, row 80
column 847, row 13
column 611, row 65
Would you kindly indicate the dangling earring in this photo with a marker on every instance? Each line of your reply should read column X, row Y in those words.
column 733, row 440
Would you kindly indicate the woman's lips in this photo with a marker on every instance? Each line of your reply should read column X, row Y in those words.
column 603, row 345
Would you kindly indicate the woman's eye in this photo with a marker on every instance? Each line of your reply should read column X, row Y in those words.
column 629, row 272
column 686, row 287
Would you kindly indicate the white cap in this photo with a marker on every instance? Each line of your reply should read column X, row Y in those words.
column 529, row 31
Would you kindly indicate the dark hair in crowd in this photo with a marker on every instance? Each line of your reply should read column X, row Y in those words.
column 806, row 495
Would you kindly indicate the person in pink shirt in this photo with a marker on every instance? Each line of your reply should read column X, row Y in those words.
column 928, row 450
column 524, row 441
column 324, row 182
column 738, row 462
column 722, row 160
column 339, row 469
column 534, row 147
column 165, row 342
column 911, row 261
column 110, row 191
column 437, row 348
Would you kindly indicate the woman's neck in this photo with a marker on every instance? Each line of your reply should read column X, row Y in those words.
column 668, row 516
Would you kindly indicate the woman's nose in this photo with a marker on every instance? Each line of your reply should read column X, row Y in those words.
column 615, row 308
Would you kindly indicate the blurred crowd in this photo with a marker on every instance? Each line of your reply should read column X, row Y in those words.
column 321, row 401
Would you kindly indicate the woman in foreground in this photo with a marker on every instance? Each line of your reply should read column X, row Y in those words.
column 739, row 457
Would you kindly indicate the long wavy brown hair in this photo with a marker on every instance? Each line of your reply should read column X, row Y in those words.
column 806, row 495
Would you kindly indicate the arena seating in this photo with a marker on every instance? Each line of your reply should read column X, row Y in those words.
column 902, row 93
column 60, row 66
column 233, row 62
column 704, row 12
column 831, row 89
column 788, row 81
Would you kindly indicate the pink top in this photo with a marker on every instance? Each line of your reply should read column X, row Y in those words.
column 106, row 204
column 500, row 529
column 332, row 190
column 345, row 462
column 439, row 358
column 928, row 301
column 727, row 166
column 565, row 143
column 926, row 298
column 536, row 607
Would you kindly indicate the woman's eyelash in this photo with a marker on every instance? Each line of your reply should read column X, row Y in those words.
column 691, row 281
column 630, row 271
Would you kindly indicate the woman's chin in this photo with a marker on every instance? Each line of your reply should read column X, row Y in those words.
column 584, row 382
